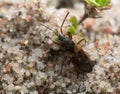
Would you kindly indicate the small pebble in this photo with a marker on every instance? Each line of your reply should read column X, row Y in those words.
column 69, row 92
column 40, row 65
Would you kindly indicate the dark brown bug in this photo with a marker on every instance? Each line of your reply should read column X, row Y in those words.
column 80, row 60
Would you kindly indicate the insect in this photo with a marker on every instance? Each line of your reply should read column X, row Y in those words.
column 80, row 60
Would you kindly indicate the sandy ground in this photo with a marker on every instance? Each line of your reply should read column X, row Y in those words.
column 28, row 67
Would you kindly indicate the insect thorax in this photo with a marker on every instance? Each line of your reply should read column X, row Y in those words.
column 66, row 43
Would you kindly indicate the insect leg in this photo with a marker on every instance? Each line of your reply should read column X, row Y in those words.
column 69, row 35
column 66, row 60
column 81, row 41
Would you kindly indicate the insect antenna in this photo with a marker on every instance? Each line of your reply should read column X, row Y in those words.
column 47, row 27
column 63, row 23
column 50, row 29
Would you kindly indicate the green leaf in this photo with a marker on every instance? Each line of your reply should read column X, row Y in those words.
column 57, row 39
column 72, row 30
column 73, row 20
column 99, row 3
column 104, row 3
column 92, row 2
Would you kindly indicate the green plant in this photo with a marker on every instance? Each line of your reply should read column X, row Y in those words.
column 74, row 24
column 99, row 3
column 94, row 7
